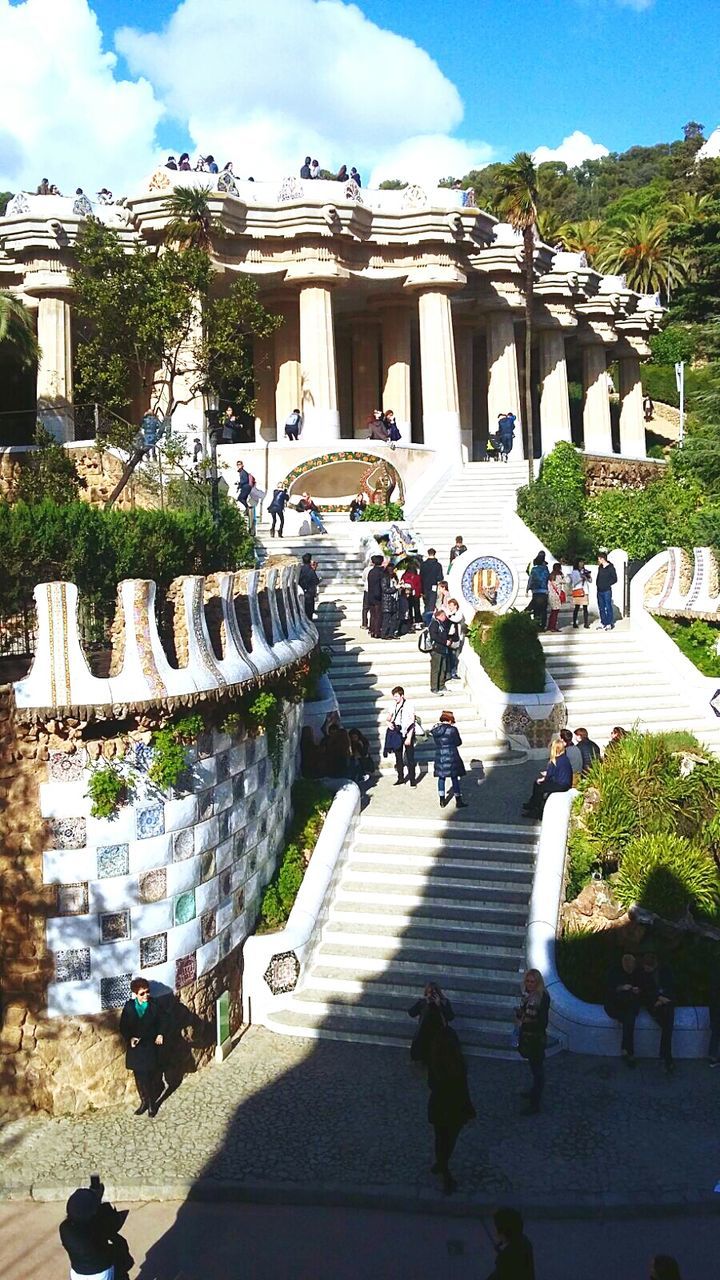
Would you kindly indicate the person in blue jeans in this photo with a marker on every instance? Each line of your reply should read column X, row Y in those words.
column 538, row 588
column 605, row 580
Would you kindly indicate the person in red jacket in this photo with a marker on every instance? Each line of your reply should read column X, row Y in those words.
column 411, row 580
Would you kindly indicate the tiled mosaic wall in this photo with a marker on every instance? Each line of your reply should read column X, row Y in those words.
column 171, row 884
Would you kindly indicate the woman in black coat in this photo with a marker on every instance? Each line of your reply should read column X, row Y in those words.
column 434, row 1011
column 449, row 1105
column 448, row 763
column 142, row 1026
column 532, row 1020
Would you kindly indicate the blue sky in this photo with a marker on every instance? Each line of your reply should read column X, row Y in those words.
column 410, row 88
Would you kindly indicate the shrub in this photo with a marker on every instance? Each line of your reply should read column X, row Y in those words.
column 554, row 507
column 644, row 521
column 107, row 788
column 510, row 651
column 311, row 801
column 667, row 874
column 381, row 513
column 272, row 912
column 290, row 877
column 582, row 861
column 48, row 472
column 697, row 640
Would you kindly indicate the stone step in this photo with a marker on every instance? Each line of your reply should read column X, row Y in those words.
column 400, row 929
column 426, row 961
column 475, row 1022
column 340, row 1026
column 410, row 883
column 427, row 828
column 476, row 876
column 398, row 985
column 443, row 909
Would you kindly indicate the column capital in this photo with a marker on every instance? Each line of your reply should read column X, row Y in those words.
column 435, row 278
column 316, row 273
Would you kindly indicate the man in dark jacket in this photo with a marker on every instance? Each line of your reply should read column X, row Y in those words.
column 441, row 633
column 374, row 595
column 243, row 484
column 657, row 993
column 430, row 574
column 308, row 581
column 589, row 750
column 514, row 1251
column 142, row 1027
column 605, row 580
column 305, row 170
column 622, row 1001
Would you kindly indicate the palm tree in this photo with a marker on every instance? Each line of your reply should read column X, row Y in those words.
column 583, row 237
column 639, row 248
column 518, row 197
column 688, row 207
column 191, row 219
column 549, row 227
column 17, row 332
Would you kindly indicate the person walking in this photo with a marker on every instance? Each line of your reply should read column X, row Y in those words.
column 439, row 631
column 605, row 580
column 457, row 549
column 243, row 483
column 580, row 577
column 142, row 1027
column 309, row 582
column 532, row 1020
column 506, row 432
column 90, row 1236
column 622, row 1001
column 412, row 580
column 276, row 509
column 515, row 1259
column 588, row 749
column 293, row 425
column 374, row 595
column 648, row 408
column 449, row 1104
column 400, row 737
column 431, row 574
column 537, row 589
column 556, row 596
column 448, row 761
column 432, row 1002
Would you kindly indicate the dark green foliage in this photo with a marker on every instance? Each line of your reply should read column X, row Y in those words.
column 106, row 789
column 48, row 472
column 674, row 342
column 382, row 513
column 697, row 640
column 311, row 802
column 668, row 874
column 554, row 506
column 96, row 549
column 584, row 959
column 644, row 521
column 510, row 651
column 659, row 383
column 698, row 300
column 266, row 711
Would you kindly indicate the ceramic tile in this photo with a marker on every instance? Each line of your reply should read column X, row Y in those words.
column 263, row 770
column 183, row 844
column 73, row 999
column 205, row 803
column 204, row 774
column 250, row 751
column 66, row 766
column 185, row 971
column 225, row 943
column 114, row 926
column 206, row 835
column 72, row 966
column 223, row 796
column 207, row 895
column 238, row 845
column 223, row 855
column 221, row 742
column 207, row 865
column 205, row 745
column 150, row 822
column 207, row 957
column 223, row 820
column 225, row 884
column 156, row 851
column 238, row 817
column 236, row 762
column 181, row 813
column 152, row 885
column 222, row 764
column 238, row 901
column 238, row 788
column 67, row 833
column 153, row 950
column 113, row 860
column 115, row 991
column 72, row 899
column 224, row 916
column 183, row 875
column 184, row 910
column 151, row 917
column 141, row 755
column 207, row 926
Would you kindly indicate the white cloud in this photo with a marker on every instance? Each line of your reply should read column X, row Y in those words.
column 572, row 150
column 66, row 115
column 266, row 84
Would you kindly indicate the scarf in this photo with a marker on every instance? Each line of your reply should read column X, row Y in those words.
column 141, row 1009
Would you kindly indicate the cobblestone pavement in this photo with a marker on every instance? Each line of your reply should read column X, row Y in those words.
column 333, row 1115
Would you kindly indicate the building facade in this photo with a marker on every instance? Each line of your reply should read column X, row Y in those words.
column 409, row 300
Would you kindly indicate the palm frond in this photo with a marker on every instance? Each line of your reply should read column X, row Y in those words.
column 17, row 331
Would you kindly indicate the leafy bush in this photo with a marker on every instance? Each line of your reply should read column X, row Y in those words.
column 584, row 958
column 381, row 513
column 554, row 507
column 667, row 874
column 311, row 802
column 106, row 789
column 510, row 651
column 48, row 472
column 582, row 861
column 674, row 342
column 644, row 521
column 290, row 876
column 659, row 382
column 697, row 640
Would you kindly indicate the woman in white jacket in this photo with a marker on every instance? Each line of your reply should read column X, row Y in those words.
column 579, row 580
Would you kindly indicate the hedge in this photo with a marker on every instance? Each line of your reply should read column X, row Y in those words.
column 96, row 549
column 510, row 651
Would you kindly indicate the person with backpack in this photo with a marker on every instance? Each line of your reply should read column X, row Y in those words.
column 431, row 573
column 293, row 425
column 537, row 586
column 400, row 737
column 439, row 635
column 276, row 509
column 448, row 761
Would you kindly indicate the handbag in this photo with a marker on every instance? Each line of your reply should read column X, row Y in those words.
column 579, row 595
column 393, row 740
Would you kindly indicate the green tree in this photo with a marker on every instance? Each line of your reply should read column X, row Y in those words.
column 583, row 237
column 698, row 298
column 48, row 472
column 392, row 184
column 518, row 194
column 17, row 332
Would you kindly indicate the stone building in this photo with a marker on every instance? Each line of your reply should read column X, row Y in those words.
column 408, row 299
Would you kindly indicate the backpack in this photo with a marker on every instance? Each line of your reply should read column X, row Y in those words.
column 425, row 644
column 251, row 480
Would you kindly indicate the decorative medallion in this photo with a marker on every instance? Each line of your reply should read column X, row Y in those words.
column 67, row 833
column 207, row 926
column 487, row 583
column 184, row 910
column 113, row 860
column 282, row 973
column 114, row 926
column 226, row 183
column 72, row 900
column 150, row 822
column 115, row 991
column 183, row 844
column 152, row 885
column 185, row 970
column 72, row 966
column 66, row 766
column 153, row 950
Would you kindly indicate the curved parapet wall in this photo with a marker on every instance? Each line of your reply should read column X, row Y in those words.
column 678, row 583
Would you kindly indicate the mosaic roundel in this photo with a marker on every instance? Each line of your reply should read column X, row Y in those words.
column 488, row 584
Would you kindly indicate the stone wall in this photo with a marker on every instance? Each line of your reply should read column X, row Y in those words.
column 619, row 473
column 99, row 469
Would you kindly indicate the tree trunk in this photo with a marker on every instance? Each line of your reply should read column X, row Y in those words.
column 528, row 255
column 135, row 457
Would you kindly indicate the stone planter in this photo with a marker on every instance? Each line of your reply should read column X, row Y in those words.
column 528, row 720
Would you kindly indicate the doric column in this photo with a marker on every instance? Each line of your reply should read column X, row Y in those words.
column 597, row 434
column 632, row 420
column 554, row 396
column 396, row 366
column 365, row 374
column 503, row 381
column 441, row 410
column 288, row 387
column 317, row 359
column 55, row 369
column 464, row 362
column 263, row 370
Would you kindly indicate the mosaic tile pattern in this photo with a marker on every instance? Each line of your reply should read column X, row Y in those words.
column 225, row 884
column 114, row 926
column 223, row 825
column 152, row 885
column 115, row 991
column 185, row 970
column 205, row 804
column 72, row 966
column 150, row 822
column 184, row 907
column 153, row 950
column 238, row 901
column 223, row 766
column 225, row 943
column 183, row 844
column 66, row 766
column 67, row 833
column 207, row 926
column 72, row 899
column 207, row 865
column 113, row 860
column 238, row 845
